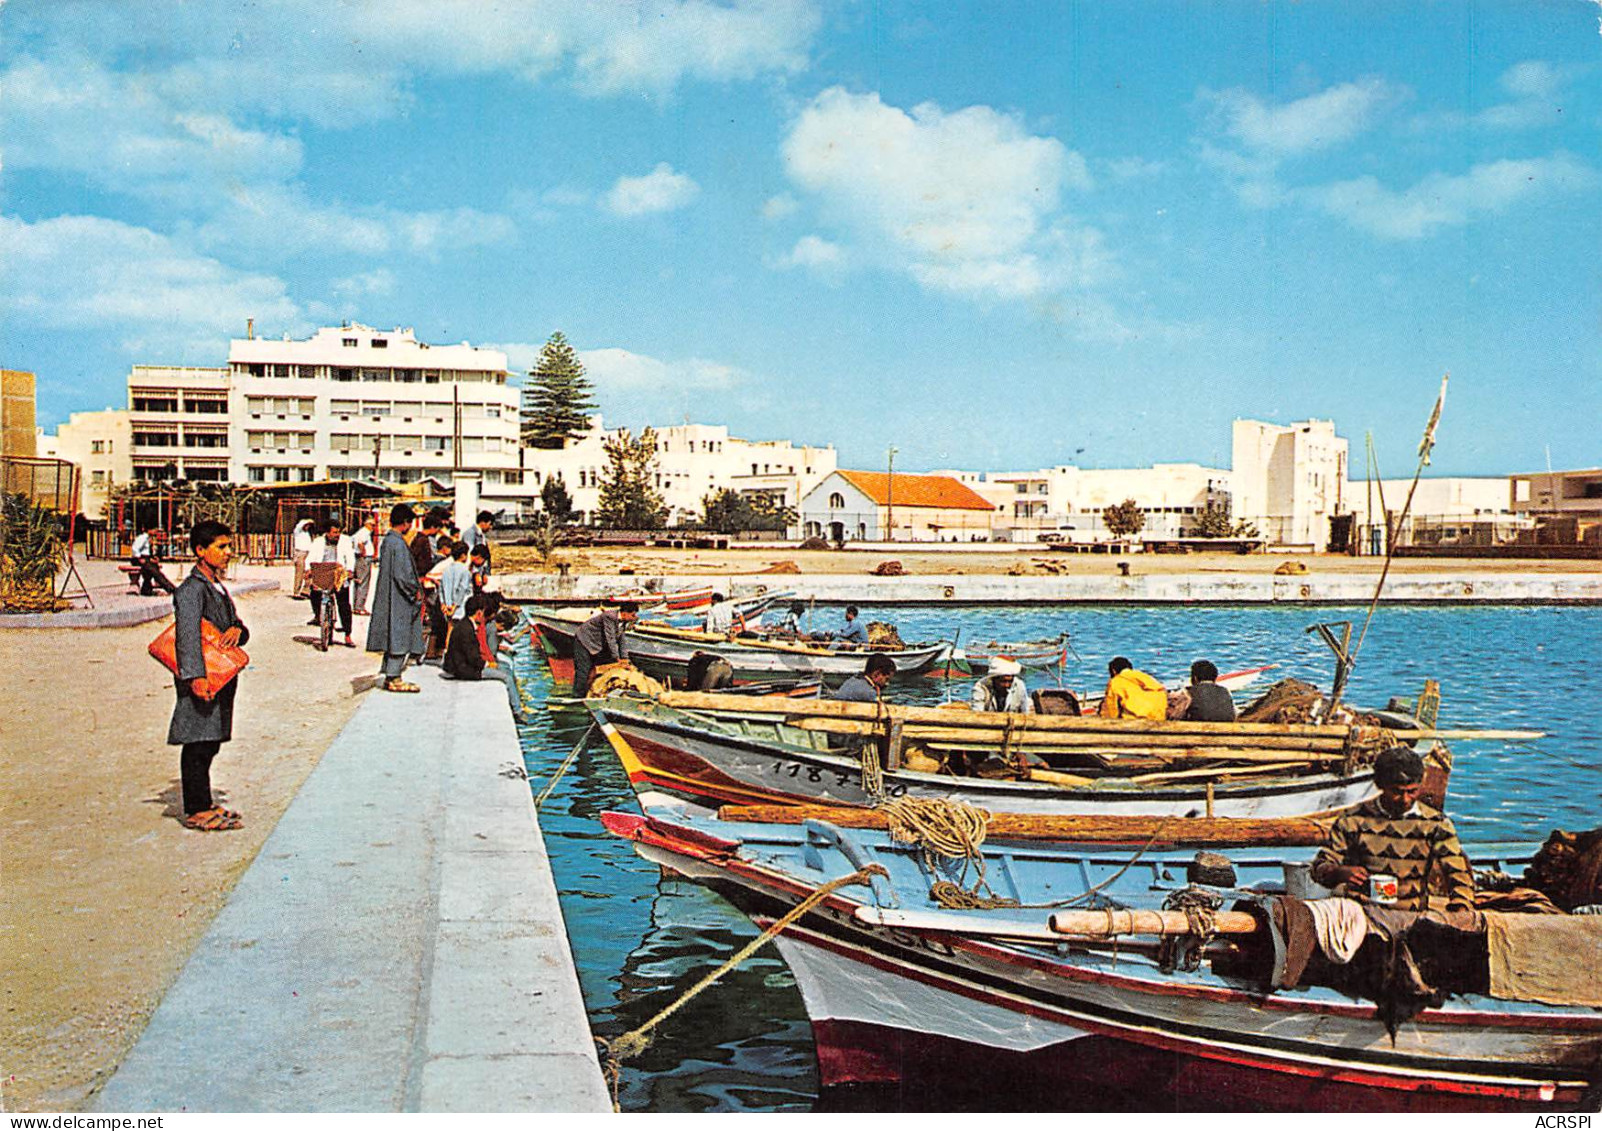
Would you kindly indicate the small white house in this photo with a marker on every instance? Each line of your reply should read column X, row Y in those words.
column 873, row 506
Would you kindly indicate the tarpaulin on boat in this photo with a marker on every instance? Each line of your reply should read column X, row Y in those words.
column 1555, row 959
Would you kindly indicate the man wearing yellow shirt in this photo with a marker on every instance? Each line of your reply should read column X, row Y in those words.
column 1132, row 694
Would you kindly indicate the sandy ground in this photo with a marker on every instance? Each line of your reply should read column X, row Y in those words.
column 103, row 894
column 1038, row 562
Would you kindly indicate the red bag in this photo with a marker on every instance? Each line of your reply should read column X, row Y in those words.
column 222, row 663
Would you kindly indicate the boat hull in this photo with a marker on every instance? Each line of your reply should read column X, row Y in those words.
column 914, row 1008
column 701, row 765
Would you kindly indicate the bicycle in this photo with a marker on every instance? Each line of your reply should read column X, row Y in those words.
column 325, row 578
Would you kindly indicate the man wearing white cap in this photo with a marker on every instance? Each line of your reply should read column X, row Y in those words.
column 1002, row 690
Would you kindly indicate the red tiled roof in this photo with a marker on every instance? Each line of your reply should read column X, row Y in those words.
column 917, row 491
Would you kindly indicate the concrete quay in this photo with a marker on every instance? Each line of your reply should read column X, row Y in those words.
column 396, row 946
column 1441, row 587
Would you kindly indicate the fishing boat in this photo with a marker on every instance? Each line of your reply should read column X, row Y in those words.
column 1077, row 980
column 713, row 749
column 1036, row 655
column 664, row 653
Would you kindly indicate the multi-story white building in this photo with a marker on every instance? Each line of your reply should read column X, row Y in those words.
column 1068, row 501
column 692, row 462
column 1289, row 480
column 354, row 402
column 101, row 444
column 179, row 417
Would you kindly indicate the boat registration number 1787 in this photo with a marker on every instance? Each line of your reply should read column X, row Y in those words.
column 818, row 775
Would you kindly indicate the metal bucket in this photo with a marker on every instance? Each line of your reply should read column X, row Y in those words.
column 1299, row 883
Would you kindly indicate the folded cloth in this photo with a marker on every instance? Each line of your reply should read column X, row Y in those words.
column 1340, row 925
column 1295, row 938
column 1555, row 959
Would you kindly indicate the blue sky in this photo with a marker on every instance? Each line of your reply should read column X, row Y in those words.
column 994, row 235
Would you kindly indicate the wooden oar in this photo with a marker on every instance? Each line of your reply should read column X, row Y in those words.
column 1292, row 832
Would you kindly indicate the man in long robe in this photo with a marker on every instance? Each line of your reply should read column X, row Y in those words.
column 396, row 627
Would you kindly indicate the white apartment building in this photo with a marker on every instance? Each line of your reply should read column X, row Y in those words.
column 1289, row 480
column 179, row 418
column 101, row 444
column 1068, row 501
column 354, row 402
column 693, row 461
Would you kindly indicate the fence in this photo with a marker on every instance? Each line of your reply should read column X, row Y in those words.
column 260, row 549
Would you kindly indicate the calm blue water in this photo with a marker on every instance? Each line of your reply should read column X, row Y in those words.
column 744, row 1045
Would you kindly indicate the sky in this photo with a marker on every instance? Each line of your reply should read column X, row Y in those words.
column 997, row 236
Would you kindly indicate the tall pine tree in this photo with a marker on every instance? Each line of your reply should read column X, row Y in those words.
column 559, row 403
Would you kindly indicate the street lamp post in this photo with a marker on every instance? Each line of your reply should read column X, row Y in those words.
column 890, row 495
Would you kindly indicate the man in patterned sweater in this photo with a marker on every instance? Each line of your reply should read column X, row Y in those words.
column 1397, row 834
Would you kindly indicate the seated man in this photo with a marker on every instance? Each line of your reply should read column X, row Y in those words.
column 867, row 687
column 1003, row 690
column 1209, row 703
column 786, row 622
column 145, row 557
column 467, row 654
column 1396, row 834
column 1132, row 694
column 854, row 632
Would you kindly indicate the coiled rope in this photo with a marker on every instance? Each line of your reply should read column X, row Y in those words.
column 951, row 830
column 638, row 1039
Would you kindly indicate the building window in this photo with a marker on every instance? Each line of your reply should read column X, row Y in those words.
column 97, row 478
column 513, row 478
column 350, row 343
column 380, row 343
column 155, row 404
column 97, row 447
column 256, row 474
column 837, row 501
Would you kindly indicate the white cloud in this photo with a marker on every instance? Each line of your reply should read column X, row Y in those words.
column 1135, row 168
column 88, row 273
column 1306, row 125
column 118, row 131
column 964, row 201
column 1442, row 200
column 813, row 252
column 1533, row 78
column 660, row 190
column 348, row 63
column 780, row 206
column 1537, row 90
column 621, row 370
column 376, row 283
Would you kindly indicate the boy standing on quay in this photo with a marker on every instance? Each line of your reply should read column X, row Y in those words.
column 203, row 721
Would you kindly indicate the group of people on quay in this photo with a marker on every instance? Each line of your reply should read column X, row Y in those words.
column 422, row 584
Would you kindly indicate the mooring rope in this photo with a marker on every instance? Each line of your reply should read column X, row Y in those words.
column 638, row 1039
column 563, row 768
column 953, row 830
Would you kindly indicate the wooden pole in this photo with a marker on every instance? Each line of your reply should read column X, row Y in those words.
column 1280, row 832
column 1109, row 923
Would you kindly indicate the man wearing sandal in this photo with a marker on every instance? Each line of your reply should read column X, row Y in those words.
column 396, row 627
column 201, row 720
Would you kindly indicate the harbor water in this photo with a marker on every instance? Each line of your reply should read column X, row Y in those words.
column 744, row 1045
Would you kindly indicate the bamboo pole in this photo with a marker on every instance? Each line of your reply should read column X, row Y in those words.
column 1289, row 832
column 1101, row 739
column 795, row 709
column 1106, row 924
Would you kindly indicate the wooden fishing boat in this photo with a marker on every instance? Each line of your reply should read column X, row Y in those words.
column 665, row 653
column 902, row 991
column 712, row 749
column 973, row 660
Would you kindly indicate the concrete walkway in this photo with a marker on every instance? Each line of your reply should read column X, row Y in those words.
column 115, row 607
column 396, row 946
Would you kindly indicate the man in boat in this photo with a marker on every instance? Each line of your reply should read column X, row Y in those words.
column 869, row 686
column 1396, row 834
column 1003, row 689
column 1209, row 703
column 600, row 640
column 720, row 616
column 854, row 632
column 1132, row 694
